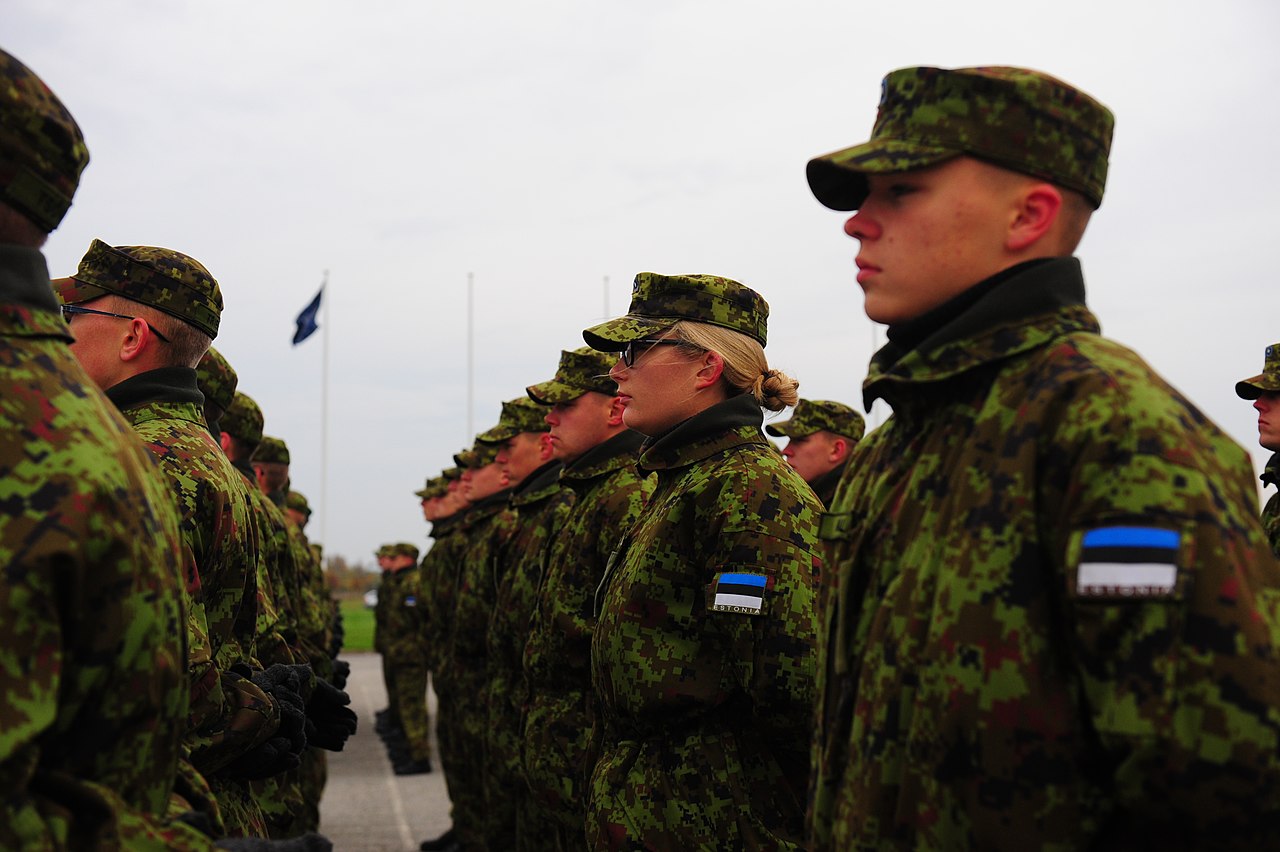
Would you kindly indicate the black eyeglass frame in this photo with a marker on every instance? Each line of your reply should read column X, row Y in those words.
column 629, row 352
column 68, row 311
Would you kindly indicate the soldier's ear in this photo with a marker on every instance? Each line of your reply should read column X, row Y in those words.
column 1037, row 209
column 711, row 370
column 615, row 411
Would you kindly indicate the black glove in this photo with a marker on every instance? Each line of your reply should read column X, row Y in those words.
column 305, row 843
column 341, row 671
column 285, row 685
column 329, row 720
column 270, row 758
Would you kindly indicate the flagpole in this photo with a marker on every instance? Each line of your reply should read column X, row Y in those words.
column 325, row 301
column 471, row 373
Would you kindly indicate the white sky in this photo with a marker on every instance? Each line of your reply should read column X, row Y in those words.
column 545, row 146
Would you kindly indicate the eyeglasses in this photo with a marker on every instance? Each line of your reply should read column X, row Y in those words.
column 629, row 354
column 69, row 311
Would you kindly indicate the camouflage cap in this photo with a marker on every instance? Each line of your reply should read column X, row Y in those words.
column 243, row 419
column 579, row 371
column 518, row 415
column 452, row 473
column 297, row 502
column 271, row 451
column 478, row 456
column 659, row 301
column 435, row 486
column 216, row 379
column 42, row 151
column 162, row 278
column 383, row 551
column 1016, row 118
column 1268, row 381
column 403, row 548
column 820, row 415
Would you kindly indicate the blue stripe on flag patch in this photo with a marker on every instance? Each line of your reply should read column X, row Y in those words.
column 1132, row 537
column 744, row 579
column 741, row 593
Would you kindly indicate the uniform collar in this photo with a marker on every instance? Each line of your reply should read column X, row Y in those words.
column 727, row 424
column 617, row 452
column 538, row 485
column 28, row 307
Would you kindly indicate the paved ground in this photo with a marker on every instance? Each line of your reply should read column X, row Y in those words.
column 366, row 807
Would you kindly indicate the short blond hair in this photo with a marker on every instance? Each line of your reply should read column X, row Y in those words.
column 746, row 369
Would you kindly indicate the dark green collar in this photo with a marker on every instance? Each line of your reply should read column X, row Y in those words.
column 1271, row 474
column 618, row 451
column 166, row 384
column 724, row 425
column 540, row 484
column 28, row 307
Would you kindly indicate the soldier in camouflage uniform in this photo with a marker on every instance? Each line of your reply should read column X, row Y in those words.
column 1264, row 390
column 702, row 655
column 599, row 454
column 404, row 645
column 821, row 434
column 537, row 504
column 1051, row 623
column 387, row 720
column 143, row 317
column 93, row 692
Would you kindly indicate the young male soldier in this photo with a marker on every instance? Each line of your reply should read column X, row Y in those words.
column 1264, row 390
column 599, row 455
column 405, row 652
column 537, row 507
column 821, row 436
column 93, row 695
column 143, row 317
column 1047, row 623
column 388, row 722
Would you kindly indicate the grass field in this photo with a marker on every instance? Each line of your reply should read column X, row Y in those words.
column 357, row 625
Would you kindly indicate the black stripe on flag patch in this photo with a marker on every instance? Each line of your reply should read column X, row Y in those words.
column 1128, row 555
column 739, row 589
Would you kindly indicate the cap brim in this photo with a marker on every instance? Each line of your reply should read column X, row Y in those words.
column 71, row 291
column 497, row 435
column 553, row 392
column 839, row 179
column 1257, row 386
column 614, row 335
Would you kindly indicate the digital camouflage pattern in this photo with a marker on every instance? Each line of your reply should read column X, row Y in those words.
column 704, row 705
column 165, row 279
column 979, row 688
column 243, row 420
column 93, row 690
column 297, row 501
column 462, row 675
column 42, row 151
column 579, row 371
column 217, row 379
column 538, row 505
column 435, row 486
column 271, row 450
column 1016, row 118
column 1271, row 512
column 1268, row 381
column 609, row 494
column 518, row 415
column 403, row 638
column 820, row 415
column 660, row 301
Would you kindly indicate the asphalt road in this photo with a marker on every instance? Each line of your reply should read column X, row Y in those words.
column 365, row 805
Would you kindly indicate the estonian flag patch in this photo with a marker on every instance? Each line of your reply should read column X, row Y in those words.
column 1128, row 562
column 742, row 593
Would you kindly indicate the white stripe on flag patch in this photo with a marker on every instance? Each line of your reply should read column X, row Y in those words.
column 739, row 602
column 1120, row 578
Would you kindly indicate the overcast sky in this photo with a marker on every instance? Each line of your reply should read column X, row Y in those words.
column 546, row 147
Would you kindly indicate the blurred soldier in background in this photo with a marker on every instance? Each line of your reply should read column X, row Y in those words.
column 821, row 436
column 404, row 643
column 1264, row 390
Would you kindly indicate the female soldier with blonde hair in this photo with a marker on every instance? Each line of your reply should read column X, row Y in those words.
column 702, row 657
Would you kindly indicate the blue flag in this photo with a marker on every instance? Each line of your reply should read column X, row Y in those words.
column 306, row 320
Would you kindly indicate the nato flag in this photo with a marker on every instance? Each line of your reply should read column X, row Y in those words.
column 307, row 319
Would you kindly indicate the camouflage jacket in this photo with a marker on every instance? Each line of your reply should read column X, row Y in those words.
column 380, row 612
column 436, row 585
column 404, row 635
column 609, row 494
column 276, row 629
column 1052, row 621
column 824, row 486
column 1271, row 512
column 703, row 652
column 489, row 523
column 539, row 504
column 218, row 532
column 93, row 691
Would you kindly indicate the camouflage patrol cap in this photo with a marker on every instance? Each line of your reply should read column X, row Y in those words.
column 451, row 474
column 1266, row 382
column 1016, row 118
column 297, row 502
column 403, row 548
column 478, row 456
column 660, row 301
column 216, row 379
column 436, row 486
column 162, row 278
column 518, row 415
column 42, row 151
column 383, row 551
column 271, row 451
column 243, row 419
column 579, row 371
column 820, row 415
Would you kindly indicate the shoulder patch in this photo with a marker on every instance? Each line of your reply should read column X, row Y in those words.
column 1128, row 562
column 738, row 592
column 410, row 601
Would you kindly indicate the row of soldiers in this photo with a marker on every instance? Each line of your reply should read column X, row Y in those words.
column 169, row 675
column 1038, row 610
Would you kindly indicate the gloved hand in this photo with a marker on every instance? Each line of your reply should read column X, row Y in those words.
column 341, row 671
column 305, row 843
column 329, row 720
column 269, row 758
column 283, row 751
